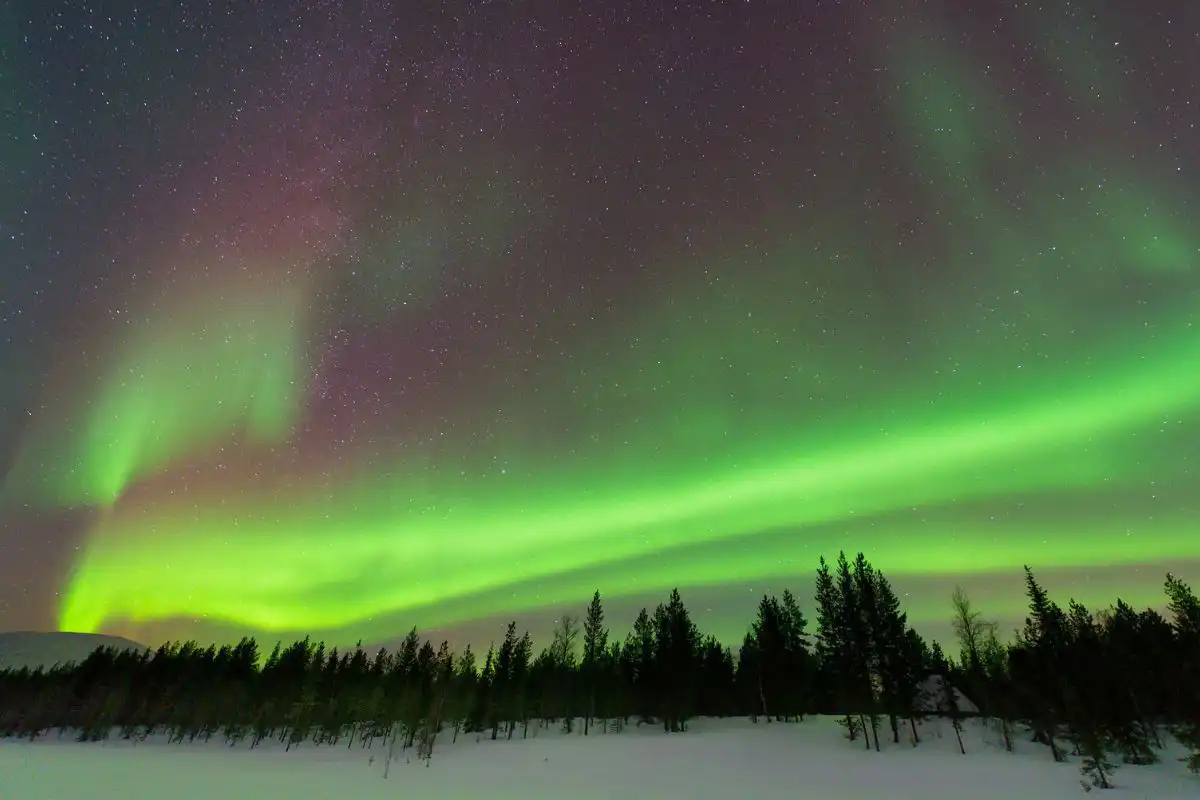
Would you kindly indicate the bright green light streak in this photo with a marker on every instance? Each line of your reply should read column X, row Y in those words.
column 383, row 559
column 706, row 464
column 179, row 382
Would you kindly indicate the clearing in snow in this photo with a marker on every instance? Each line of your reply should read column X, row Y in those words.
column 729, row 758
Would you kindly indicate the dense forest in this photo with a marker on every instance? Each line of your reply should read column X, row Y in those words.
column 1108, row 687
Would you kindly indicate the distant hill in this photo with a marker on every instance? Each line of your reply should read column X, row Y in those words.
column 39, row 649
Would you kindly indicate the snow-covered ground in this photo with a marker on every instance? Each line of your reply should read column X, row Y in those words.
column 715, row 759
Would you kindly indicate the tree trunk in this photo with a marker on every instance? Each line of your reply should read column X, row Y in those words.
column 762, row 697
column 391, row 749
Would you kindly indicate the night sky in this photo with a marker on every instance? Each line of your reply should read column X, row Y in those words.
column 340, row 317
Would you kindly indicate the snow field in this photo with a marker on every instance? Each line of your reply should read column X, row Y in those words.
column 715, row 759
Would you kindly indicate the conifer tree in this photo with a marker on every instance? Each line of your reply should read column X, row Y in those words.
column 1086, row 693
column 891, row 644
column 522, row 681
column 563, row 664
column 1130, row 652
column 621, row 664
column 1037, row 663
column 916, row 656
column 716, row 680
column 503, row 687
column 860, row 604
column 642, row 671
column 420, row 681
column 595, row 646
column 1185, row 615
column 801, row 666
column 771, row 658
column 749, row 679
column 676, row 647
column 483, row 708
column 441, row 685
column 833, row 648
column 994, row 657
column 458, row 705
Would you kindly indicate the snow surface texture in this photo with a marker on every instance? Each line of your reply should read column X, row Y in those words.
column 37, row 649
column 714, row 759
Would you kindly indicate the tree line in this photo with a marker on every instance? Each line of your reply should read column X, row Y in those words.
column 1104, row 686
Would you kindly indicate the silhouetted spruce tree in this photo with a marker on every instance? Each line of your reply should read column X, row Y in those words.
column 896, row 674
column 1128, row 657
column 595, row 646
column 860, row 606
column 1037, row 664
column 94, row 680
column 525, row 690
column 327, row 716
column 543, row 692
column 484, row 705
column 563, row 661
column 916, row 656
column 801, row 664
column 265, row 690
column 677, row 646
column 441, row 684
column 404, row 689
column 1185, row 615
column 717, row 694
column 1116, row 710
column 994, row 657
column 460, row 697
column 835, row 669
column 1086, row 694
column 504, row 700
column 397, row 695
column 354, row 699
column 770, row 659
column 625, row 692
column 421, row 681
column 296, row 678
column 377, row 701
column 939, row 662
column 643, row 672
column 505, row 694
column 1158, row 644
column 751, row 694
column 610, row 696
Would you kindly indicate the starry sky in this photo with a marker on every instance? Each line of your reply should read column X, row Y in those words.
column 344, row 316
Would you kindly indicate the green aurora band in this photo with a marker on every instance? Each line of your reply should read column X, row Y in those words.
column 177, row 385
column 733, row 450
column 365, row 552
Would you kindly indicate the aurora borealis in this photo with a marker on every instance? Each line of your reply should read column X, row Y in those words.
column 344, row 317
